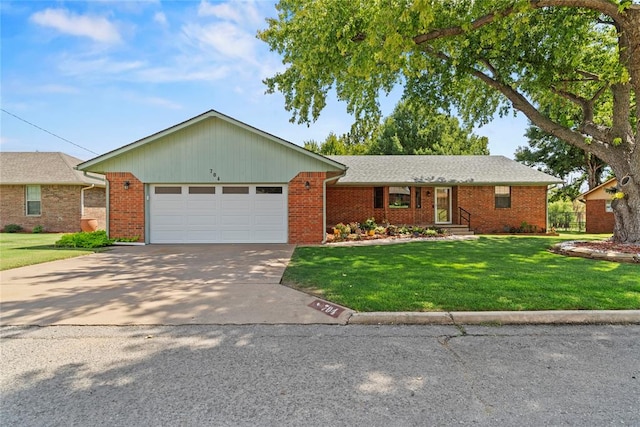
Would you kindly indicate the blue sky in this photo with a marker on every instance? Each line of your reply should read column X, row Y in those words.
column 105, row 73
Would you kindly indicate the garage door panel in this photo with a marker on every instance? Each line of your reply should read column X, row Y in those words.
column 235, row 220
column 218, row 214
column 202, row 221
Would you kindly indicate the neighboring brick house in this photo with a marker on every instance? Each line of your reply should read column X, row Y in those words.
column 44, row 189
column 213, row 179
column 600, row 218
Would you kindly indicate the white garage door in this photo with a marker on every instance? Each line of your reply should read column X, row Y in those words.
column 218, row 213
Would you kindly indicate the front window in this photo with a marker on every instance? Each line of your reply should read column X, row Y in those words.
column 399, row 197
column 418, row 198
column 503, row 196
column 33, row 200
column 608, row 207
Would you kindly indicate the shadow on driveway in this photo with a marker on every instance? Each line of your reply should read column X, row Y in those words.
column 159, row 285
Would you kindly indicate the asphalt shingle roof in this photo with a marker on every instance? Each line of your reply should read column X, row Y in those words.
column 44, row 168
column 451, row 170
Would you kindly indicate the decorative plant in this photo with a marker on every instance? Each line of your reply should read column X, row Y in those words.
column 12, row 228
column 342, row 230
column 369, row 224
column 37, row 229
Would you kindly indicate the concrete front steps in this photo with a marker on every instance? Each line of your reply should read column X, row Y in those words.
column 456, row 230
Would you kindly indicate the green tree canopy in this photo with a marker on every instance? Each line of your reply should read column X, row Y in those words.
column 415, row 129
column 569, row 163
column 572, row 67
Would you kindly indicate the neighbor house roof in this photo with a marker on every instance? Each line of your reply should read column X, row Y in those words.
column 44, row 168
column 599, row 191
column 441, row 170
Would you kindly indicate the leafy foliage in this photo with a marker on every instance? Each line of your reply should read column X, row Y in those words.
column 415, row 129
column 556, row 157
column 12, row 228
column 89, row 240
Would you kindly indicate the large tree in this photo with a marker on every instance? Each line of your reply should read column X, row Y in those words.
column 571, row 66
column 569, row 163
column 416, row 129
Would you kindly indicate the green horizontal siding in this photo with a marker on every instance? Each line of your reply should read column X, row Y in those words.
column 195, row 153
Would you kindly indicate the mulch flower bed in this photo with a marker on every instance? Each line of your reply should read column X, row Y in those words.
column 607, row 246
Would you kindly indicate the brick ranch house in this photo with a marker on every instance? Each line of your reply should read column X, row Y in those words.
column 600, row 218
column 45, row 189
column 213, row 179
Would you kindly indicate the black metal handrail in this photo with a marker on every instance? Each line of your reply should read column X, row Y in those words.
column 465, row 215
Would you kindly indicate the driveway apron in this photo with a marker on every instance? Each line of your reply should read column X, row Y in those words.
column 161, row 285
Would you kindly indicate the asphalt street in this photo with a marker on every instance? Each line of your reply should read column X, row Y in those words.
column 320, row 375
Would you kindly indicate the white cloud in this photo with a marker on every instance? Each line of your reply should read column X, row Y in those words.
column 155, row 101
column 57, row 88
column 226, row 38
column 239, row 12
column 160, row 18
column 174, row 74
column 95, row 27
column 97, row 67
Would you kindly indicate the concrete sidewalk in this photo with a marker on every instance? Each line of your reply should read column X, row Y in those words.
column 161, row 285
column 556, row 317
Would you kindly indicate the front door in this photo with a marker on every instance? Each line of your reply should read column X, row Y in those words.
column 443, row 205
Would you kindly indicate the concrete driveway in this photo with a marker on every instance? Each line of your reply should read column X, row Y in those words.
column 160, row 285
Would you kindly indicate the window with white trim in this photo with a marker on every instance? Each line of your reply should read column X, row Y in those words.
column 608, row 207
column 32, row 197
column 503, row 196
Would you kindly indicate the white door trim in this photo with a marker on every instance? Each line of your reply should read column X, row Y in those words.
column 449, row 220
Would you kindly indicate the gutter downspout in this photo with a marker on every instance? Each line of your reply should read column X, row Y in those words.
column 324, row 204
column 82, row 199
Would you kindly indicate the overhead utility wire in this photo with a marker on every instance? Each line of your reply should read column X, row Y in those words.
column 50, row 133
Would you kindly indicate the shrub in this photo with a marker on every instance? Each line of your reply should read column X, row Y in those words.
column 342, row 230
column 431, row 232
column 37, row 229
column 12, row 228
column 94, row 239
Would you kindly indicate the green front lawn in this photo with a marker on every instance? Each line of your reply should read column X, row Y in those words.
column 491, row 273
column 18, row 249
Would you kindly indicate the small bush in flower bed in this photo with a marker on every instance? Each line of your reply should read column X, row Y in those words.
column 94, row 239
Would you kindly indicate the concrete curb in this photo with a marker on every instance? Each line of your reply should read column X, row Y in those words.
column 560, row 317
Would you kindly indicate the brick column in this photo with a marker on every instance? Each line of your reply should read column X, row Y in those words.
column 305, row 208
column 126, row 206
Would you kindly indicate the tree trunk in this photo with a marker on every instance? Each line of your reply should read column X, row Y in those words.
column 627, row 212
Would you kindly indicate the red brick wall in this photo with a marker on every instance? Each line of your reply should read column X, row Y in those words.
column 126, row 207
column 348, row 204
column 95, row 206
column 528, row 204
column 598, row 219
column 305, row 208
column 59, row 206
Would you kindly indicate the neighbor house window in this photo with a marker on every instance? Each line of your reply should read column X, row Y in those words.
column 378, row 197
column 503, row 196
column 33, row 200
column 399, row 197
column 608, row 207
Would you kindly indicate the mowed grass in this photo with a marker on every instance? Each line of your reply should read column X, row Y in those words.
column 21, row 249
column 492, row 273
